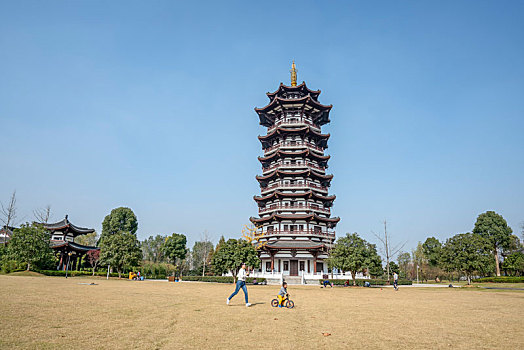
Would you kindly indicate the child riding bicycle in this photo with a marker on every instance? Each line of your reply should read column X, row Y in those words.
column 282, row 294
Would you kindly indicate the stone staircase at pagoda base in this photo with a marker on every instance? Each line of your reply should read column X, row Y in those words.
column 291, row 280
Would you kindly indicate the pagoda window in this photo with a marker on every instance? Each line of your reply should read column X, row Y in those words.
column 270, row 229
column 58, row 238
column 286, row 265
column 268, row 266
column 302, row 266
column 318, row 229
column 301, row 227
column 292, row 228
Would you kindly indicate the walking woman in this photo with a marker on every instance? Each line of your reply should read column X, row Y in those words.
column 241, row 283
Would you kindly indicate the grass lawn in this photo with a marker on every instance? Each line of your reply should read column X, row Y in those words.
column 55, row 313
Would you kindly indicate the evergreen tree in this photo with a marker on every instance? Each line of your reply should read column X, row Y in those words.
column 230, row 255
column 352, row 253
column 30, row 245
column 432, row 249
column 468, row 253
column 174, row 248
column 119, row 246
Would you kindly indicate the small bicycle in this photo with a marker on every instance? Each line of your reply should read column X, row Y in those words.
column 286, row 303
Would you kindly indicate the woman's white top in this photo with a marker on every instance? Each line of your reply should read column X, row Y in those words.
column 242, row 275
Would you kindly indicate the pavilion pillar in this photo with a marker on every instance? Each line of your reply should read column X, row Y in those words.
column 315, row 262
column 61, row 262
column 272, row 261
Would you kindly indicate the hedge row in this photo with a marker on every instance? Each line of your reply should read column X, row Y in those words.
column 373, row 282
column 220, row 279
column 502, row 279
column 76, row 273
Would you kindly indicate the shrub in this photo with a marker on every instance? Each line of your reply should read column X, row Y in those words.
column 373, row 282
column 157, row 270
column 62, row 273
column 9, row 266
column 220, row 279
column 501, row 279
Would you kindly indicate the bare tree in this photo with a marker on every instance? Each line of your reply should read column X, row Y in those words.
column 42, row 215
column 207, row 246
column 8, row 214
column 387, row 249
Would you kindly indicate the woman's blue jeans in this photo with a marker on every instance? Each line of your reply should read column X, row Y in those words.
column 240, row 284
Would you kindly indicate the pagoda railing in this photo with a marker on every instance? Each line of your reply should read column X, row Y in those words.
column 293, row 144
column 296, row 120
column 295, row 208
column 305, row 184
column 330, row 234
column 295, row 165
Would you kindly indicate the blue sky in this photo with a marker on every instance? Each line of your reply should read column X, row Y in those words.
column 150, row 105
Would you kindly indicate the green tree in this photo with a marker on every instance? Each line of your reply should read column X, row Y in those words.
column 374, row 263
column 90, row 239
column 152, row 249
column 467, row 253
column 514, row 263
column 404, row 262
column 496, row 231
column 393, row 267
column 30, row 245
column 432, row 249
column 119, row 220
column 119, row 246
column 351, row 253
column 174, row 248
column 120, row 250
column 230, row 255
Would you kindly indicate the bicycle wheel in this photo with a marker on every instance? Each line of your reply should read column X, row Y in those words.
column 290, row 304
column 274, row 302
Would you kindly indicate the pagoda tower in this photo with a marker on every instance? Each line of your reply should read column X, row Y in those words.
column 294, row 206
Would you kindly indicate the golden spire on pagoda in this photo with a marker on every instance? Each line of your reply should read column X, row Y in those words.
column 293, row 74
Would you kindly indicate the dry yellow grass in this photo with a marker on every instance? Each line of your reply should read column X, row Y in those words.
column 55, row 313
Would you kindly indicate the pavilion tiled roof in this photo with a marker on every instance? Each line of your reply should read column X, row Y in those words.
column 66, row 224
column 72, row 246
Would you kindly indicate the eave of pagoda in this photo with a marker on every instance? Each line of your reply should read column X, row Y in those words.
column 306, row 195
column 268, row 113
column 305, row 217
column 299, row 88
column 279, row 102
column 282, row 131
column 305, row 173
column 305, row 153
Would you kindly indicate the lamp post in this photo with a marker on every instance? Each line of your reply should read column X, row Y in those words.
column 417, row 273
column 68, row 260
